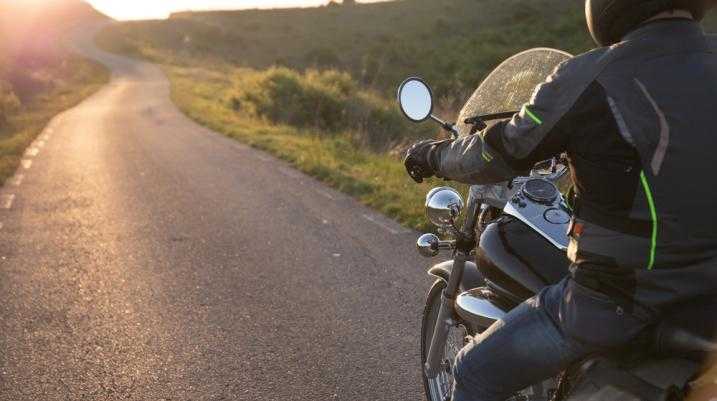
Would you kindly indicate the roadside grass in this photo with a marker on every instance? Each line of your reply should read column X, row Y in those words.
column 374, row 178
column 72, row 81
column 329, row 102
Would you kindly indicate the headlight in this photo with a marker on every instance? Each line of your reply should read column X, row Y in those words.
column 443, row 206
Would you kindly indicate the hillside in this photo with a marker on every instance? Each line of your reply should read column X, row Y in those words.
column 316, row 86
column 38, row 77
column 36, row 27
column 30, row 41
column 452, row 42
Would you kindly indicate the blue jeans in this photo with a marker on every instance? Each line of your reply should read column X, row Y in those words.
column 530, row 345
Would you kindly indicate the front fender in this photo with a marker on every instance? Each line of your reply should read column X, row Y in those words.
column 472, row 278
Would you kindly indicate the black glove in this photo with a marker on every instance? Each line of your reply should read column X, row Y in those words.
column 419, row 160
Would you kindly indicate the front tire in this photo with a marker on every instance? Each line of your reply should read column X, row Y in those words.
column 439, row 389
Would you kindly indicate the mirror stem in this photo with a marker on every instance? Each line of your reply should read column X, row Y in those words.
column 446, row 126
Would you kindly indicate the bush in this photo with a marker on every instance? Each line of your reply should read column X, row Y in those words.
column 9, row 103
column 328, row 101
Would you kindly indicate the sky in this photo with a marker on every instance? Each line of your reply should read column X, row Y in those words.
column 148, row 9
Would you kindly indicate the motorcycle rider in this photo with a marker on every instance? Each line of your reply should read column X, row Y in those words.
column 636, row 119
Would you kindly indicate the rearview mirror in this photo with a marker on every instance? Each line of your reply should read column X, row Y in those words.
column 416, row 99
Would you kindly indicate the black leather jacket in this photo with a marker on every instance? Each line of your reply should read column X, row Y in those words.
column 637, row 121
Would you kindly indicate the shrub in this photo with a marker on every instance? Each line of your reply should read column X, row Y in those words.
column 285, row 96
column 9, row 103
column 329, row 101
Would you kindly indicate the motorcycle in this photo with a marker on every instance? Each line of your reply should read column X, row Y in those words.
column 511, row 242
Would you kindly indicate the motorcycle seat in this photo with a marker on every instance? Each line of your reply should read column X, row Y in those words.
column 689, row 329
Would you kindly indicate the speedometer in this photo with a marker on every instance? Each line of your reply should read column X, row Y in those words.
column 540, row 190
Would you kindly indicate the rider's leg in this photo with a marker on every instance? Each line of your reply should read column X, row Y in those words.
column 523, row 349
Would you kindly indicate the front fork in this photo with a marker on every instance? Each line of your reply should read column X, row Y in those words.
column 465, row 244
column 434, row 360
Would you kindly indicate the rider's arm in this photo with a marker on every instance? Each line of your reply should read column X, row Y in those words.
column 539, row 131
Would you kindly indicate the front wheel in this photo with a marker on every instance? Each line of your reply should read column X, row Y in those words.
column 439, row 388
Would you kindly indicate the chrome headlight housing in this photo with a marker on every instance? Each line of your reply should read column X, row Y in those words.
column 443, row 206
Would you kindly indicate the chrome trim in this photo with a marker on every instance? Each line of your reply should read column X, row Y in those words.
column 555, row 231
column 429, row 245
column 443, row 205
column 475, row 308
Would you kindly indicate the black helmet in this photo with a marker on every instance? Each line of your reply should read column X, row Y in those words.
column 610, row 20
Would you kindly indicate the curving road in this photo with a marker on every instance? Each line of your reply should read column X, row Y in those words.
column 144, row 257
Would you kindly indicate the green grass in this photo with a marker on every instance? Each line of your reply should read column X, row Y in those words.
column 374, row 178
column 217, row 61
column 72, row 80
column 326, row 101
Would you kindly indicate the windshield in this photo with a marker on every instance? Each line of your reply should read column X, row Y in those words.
column 511, row 84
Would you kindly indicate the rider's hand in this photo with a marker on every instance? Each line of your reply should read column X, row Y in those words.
column 419, row 162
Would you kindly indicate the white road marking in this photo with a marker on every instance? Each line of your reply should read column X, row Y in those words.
column 17, row 179
column 26, row 163
column 336, row 255
column 32, row 152
column 7, row 201
column 385, row 226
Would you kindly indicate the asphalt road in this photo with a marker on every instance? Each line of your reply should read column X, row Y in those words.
column 144, row 257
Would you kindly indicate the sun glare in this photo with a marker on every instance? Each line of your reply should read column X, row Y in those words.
column 134, row 9
column 149, row 9
column 35, row 3
column 26, row 5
